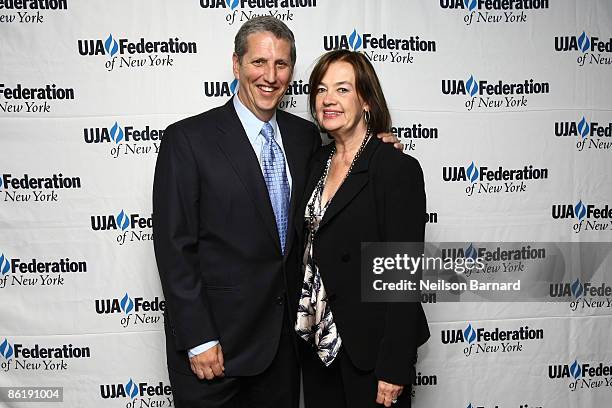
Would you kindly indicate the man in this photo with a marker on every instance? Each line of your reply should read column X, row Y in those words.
column 227, row 183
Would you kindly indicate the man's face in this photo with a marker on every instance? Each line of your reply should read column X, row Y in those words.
column 264, row 73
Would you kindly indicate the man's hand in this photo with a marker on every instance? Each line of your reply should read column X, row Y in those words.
column 391, row 138
column 388, row 393
column 208, row 364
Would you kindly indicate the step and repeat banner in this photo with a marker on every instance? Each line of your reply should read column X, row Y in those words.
column 507, row 104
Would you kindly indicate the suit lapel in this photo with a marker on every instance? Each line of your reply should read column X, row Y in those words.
column 353, row 184
column 293, row 156
column 235, row 145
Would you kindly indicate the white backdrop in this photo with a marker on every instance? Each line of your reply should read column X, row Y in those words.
column 100, row 123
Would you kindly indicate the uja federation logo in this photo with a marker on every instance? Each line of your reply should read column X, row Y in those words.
column 483, row 341
column 216, row 89
column 125, row 140
column 36, row 272
column 37, row 357
column 486, row 94
column 498, row 259
column 30, row 12
column 592, row 50
column 494, row 11
column 136, row 311
column 123, row 53
column 131, row 227
column 589, row 134
column 589, row 217
column 226, row 89
column 32, row 99
column 491, row 180
column 26, row 188
column 151, row 395
column 410, row 134
column 584, row 295
column 239, row 11
column 582, row 376
column 423, row 380
column 382, row 48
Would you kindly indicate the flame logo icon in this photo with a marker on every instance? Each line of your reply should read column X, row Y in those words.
column 126, row 304
column 575, row 370
column 469, row 333
column 577, row 289
column 584, row 43
column 470, row 252
column 355, row 40
column 122, row 220
column 131, row 389
column 472, row 172
column 583, row 128
column 5, row 265
column 233, row 85
column 231, row 4
column 6, row 349
column 470, row 404
column 580, row 210
column 116, row 133
column 0, row 182
column 472, row 86
column 110, row 45
column 471, row 5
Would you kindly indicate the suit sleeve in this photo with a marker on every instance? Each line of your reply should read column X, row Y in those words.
column 403, row 220
column 176, row 212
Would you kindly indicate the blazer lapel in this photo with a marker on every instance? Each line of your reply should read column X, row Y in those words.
column 353, row 184
column 316, row 169
column 235, row 145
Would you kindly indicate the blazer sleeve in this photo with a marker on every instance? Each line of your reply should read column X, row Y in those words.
column 401, row 207
column 176, row 212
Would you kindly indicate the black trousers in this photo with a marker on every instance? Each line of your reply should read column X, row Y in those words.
column 341, row 385
column 277, row 387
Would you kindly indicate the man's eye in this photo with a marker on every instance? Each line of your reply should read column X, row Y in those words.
column 321, row 90
column 343, row 90
column 258, row 63
column 282, row 64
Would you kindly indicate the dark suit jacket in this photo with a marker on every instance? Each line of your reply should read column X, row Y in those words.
column 216, row 242
column 382, row 200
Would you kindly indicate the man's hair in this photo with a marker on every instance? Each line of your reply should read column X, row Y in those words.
column 366, row 82
column 263, row 24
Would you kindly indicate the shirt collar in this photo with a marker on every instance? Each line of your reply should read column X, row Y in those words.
column 252, row 124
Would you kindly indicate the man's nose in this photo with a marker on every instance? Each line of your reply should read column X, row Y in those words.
column 270, row 73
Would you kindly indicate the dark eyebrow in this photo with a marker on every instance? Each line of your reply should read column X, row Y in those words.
column 339, row 83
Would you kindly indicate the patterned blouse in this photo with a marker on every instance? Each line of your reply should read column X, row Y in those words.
column 315, row 322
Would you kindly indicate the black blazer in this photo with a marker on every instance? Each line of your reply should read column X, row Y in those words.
column 216, row 243
column 382, row 200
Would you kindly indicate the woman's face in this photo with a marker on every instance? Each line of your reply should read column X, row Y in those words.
column 339, row 109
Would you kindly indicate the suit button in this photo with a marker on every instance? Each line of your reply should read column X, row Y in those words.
column 346, row 257
column 280, row 300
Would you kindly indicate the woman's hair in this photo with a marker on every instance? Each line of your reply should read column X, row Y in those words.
column 366, row 82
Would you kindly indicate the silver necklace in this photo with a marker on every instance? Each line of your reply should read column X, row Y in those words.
column 318, row 195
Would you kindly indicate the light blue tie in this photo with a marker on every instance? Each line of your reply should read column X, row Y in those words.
column 275, row 175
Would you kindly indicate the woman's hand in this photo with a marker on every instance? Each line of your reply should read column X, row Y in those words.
column 388, row 393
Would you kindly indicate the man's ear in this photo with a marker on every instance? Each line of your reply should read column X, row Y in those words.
column 236, row 66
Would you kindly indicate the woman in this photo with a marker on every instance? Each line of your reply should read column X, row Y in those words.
column 361, row 190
